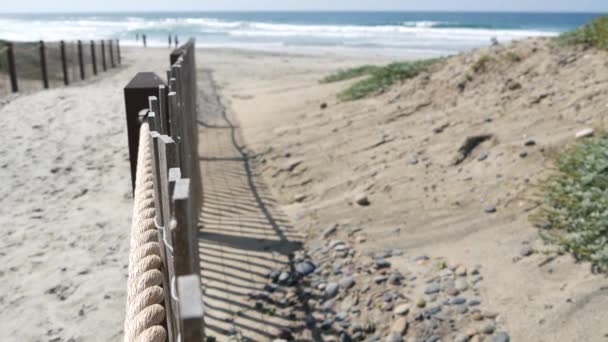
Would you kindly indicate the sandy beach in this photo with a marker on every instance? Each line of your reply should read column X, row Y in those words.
column 66, row 198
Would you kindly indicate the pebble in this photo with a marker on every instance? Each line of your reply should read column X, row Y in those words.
column 382, row 263
column 432, row 289
column 420, row 258
column 329, row 230
column 523, row 154
column 477, row 316
column 400, row 326
column 461, row 338
column 526, row 251
column 420, row 302
column 490, row 209
column 394, row 337
column 488, row 329
column 461, row 271
column 347, row 282
column 283, row 277
column 474, row 302
column 362, row 200
column 584, row 133
column 305, row 268
column 373, row 338
column 331, row 290
column 452, row 291
column 458, row 301
column 530, row 142
column 501, row 337
column 395, row 279
column 402, row 310
column 380, row 279
column 482, row 157
column 413, row 160
column 463, row 309
column 388, row 297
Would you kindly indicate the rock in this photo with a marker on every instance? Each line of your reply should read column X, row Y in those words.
column 413, row 160
column 526, row 251
column 482, row 157
column 458, row 301
column 291, row 165
column 394, row 337
column 331, row 290
column 323, row 105
column 432, row 289
column 373, row 338
column 523, row 154
column 382, row 263
column 490, row 209
column 461, row 285
column 420, row 258
column 329, row 230
column 274, row 275
column 362, row 200
column 488, row 329
column 283, row 277
column 402, row 309
column 361, row 239
column 474, row 302
column 395, row 278
column 477, row 316
column 380, row 279
column 530, row 142
column 388, row 297
column 461, row 338
column 463, row 309
column 452, row 291
column 347, row 282
column 584, row 133
column 299, row 198
column 460, row 271
column 305, row 268
column 400, row 326
column 420, row 302
column 501, row 337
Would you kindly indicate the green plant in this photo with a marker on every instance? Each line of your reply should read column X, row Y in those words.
column 385, row 76
column 481, row 64
column 513, row 56
column 594, row 34
column 348, row 74
column 576, row 202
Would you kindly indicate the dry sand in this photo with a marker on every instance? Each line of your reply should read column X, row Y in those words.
column 65, row 208
column 434, row 207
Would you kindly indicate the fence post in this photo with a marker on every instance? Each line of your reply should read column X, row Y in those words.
column 111, row 53
column 142, row 86
column 93, row 58
column 182, row 230
column 103, row 56
column 191, row 309
column 10, row 54
column 45, row 76
column 64, row 63
column 80, row 60
column 118, row 51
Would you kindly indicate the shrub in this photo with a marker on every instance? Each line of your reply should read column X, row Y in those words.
column 594, row 34
column 481, row 64
column 348, row 74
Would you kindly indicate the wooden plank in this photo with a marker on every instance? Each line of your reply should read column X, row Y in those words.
column 93, row 57
column 182, row 228
column 12, row 70
column 153, row 106
column 64, row 63
column 191, row 308
column 80, row 59
column 174, row 123
column 162, row 110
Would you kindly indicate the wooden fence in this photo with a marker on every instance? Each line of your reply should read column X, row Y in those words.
column 171, row 110
column 44, row 65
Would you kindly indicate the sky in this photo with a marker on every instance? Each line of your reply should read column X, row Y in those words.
column 9, row 6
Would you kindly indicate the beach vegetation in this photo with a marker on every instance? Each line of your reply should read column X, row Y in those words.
column 513, row 57
column 378, row 78
column 594, row 34
column 481, row 64
column 576, row 202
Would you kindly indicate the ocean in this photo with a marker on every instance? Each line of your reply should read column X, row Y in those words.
column 406, row 33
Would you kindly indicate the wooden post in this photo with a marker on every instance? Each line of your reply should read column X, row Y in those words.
column 111, row 50
column 162, row 110
column 137, row 92
column 45, row 76
column 64, row 63
column 191, row 309
column 12, row 70
column 118, row 51
column 80, row 60
column 93, row 58
column 103, row 56
column 144, row 40
column 182, row 230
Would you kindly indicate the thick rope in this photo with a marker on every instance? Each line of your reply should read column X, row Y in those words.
column 145, row 296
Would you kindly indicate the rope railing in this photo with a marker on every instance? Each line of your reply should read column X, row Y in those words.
column 164, row 286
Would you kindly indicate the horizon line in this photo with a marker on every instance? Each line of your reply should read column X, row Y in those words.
column 309, row 11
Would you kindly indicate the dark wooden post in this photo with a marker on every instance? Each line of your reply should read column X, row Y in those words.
column 93, row 58
column 144, row 40
column 118, row 51
column 110, row 46
column 137, row 92
column 12, row 70
column 80, row 60
column 45, row 76
column 103, row 56
column 64, row 63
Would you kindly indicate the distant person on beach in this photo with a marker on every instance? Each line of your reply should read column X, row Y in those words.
column 143, row 37
column 170, row 42
column 176, row 41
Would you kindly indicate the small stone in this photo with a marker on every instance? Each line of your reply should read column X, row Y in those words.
column 283, row 277
column 382, row 263
column 361, row 239
column 413, row 160
column 482, row 157
column 402, row 310
column 347, row 282
column 461, row 271
column 329, row 231
column 488, row 329
column 452, row 291
column 299, row 198
column 477, row 316
column 585, row 133
column 474, row 302
column 526, row 251
column 362, row 200
column 501, row 337
column 420, row 302
column 331, row 290
column 461, row 285
column 388, row 297
column 463, row 309
column 380, row 279
column 395, row 279
column 523, row 154
column 490, row 209
column 461, row 338
column 432, row 289
column 305, row 268
column 394, row 337
column 530, row 142
column 400, row 326
column 323, row 105
column 458, row 301
column 420, row 258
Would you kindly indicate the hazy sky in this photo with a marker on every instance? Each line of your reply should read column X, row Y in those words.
column 248, row 5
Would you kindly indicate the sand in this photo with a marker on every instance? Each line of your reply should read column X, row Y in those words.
column 434, row 207
column 66, row 202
